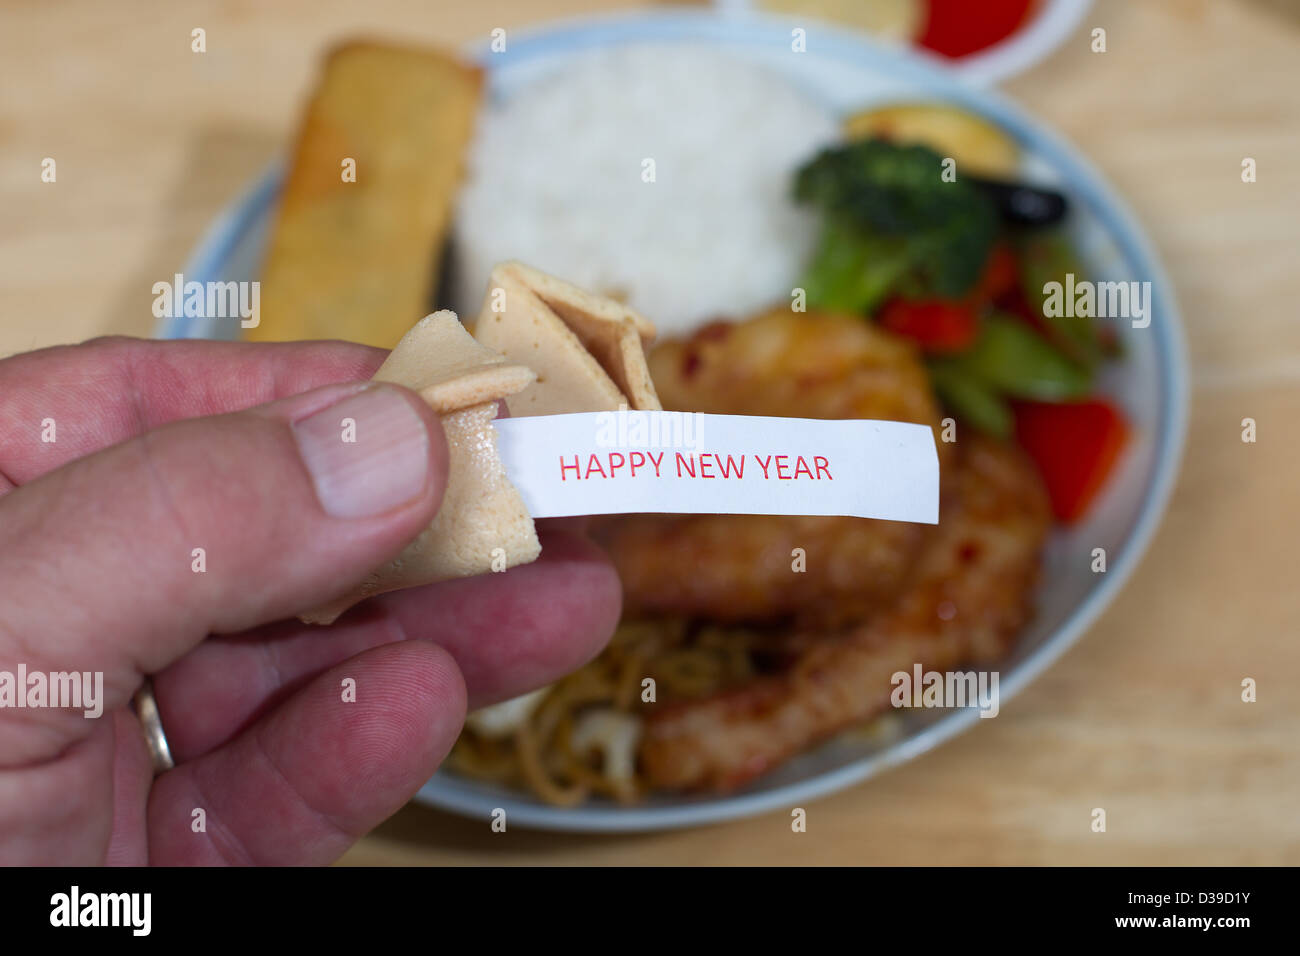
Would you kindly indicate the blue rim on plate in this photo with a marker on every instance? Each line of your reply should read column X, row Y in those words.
column 1086, row 186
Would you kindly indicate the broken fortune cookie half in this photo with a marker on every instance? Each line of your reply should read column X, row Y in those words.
column 588, row 350
column 543, row 346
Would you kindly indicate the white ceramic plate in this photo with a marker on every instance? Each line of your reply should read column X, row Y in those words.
column 848, row 72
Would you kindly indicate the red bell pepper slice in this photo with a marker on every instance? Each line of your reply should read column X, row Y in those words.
column 1075, row 445
column 1001, row 276
column 937, row 325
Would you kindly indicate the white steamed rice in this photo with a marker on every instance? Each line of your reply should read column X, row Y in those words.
column 555, row 180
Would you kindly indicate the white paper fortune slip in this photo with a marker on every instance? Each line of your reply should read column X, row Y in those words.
column 689, row 463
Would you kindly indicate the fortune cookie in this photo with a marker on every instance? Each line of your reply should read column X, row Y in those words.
column 543, row 346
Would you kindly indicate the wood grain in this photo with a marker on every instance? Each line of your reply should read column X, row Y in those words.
column 1143, row 717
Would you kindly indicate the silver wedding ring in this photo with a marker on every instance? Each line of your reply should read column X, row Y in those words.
column 146, row 709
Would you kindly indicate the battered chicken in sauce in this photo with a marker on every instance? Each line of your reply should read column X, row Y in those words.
column 877, row 596
column 736, row 568
column 965, row 601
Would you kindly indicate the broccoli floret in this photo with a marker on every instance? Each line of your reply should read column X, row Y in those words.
column 892, row 225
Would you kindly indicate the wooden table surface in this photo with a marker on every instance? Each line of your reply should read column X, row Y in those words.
column 1143, row 717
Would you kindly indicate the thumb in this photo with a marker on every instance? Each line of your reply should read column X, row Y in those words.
column 122, row 561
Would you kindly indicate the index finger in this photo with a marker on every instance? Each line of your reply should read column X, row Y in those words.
column 108, row 390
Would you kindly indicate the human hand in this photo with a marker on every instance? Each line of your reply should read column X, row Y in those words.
column 162, row 448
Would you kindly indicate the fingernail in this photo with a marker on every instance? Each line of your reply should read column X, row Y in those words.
column 366, row 454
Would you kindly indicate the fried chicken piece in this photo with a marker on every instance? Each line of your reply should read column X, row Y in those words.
column 735, row 568
column 967, row 599
column 795, row 365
